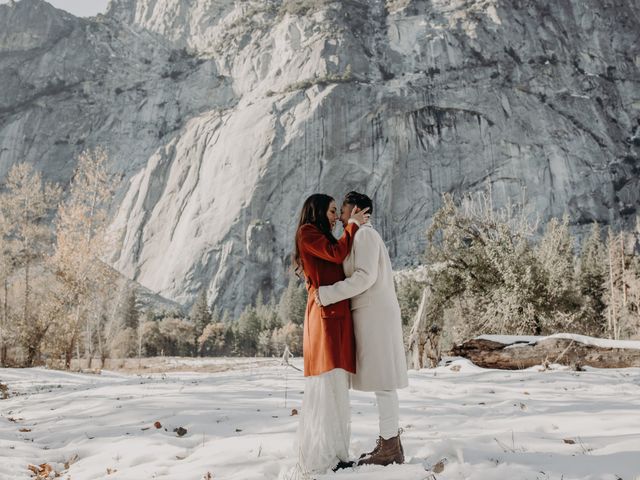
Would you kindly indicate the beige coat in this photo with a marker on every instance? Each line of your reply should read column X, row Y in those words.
column 380, row 357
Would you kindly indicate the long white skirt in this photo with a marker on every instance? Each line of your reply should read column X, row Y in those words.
column 325, row 423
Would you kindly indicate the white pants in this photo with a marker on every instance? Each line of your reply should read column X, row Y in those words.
column 325, row 423
column 387, row 401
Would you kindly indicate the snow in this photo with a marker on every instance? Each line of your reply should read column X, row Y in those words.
column 530, row 339
column 487, row 424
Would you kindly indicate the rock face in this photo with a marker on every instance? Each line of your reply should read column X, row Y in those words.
column 223, row 116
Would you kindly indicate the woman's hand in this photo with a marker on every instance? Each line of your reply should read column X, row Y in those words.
column 360, row 216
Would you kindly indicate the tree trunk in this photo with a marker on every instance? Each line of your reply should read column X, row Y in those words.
column 32, row 353
column 433, row 346
column 5, row 323
column 89, row 342
column 78, row 356
column 26, row 293
column 139, row 344
column 547, row 350
column 612, row 301
column 68, row 354
column 417, row 336
column 424, row 338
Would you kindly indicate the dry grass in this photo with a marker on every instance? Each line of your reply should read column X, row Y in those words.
column 172, row 364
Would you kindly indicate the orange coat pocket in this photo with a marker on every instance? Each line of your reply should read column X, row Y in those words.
column 331, row 311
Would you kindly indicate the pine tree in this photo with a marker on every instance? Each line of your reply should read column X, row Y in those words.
column 614, row 293
column 26, row 205
column 268, row 315
column 263, row 344
column 248, row 330
column 293, row 302
column 129, row 313
column 591, row 282
column 623, row 316
column 481, row 261
column 215, row 315
column 561, row 300
column 200, row 317
column 230, row 341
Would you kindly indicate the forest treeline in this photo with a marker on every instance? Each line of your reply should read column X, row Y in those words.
column 486, row 270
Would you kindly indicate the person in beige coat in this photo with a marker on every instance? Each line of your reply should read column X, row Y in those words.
column 381, row 365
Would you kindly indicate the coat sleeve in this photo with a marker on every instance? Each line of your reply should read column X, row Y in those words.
column 314, row 242
column 365, row 251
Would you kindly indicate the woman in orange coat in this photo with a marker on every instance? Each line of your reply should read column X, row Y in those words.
column 329, row 342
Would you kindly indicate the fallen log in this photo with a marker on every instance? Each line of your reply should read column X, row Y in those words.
column 514, row 352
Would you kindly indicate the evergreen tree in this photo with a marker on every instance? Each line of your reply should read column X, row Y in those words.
column 623, row 315
column 248, row 330
column 293, row 302
column 230, row 341
column 561, row 302
column 592, row 278
column 130, row 313
column 215, row 315
column 268, row 315
column 486, row 265
column 481, row 262
column 200, row 317
column 263, row 347
column 259, row 299
column 409, row 294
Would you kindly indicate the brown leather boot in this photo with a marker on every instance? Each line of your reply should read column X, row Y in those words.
column 386, row 452
column 375, row 449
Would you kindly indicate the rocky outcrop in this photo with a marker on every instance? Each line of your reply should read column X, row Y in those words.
column 224, row 116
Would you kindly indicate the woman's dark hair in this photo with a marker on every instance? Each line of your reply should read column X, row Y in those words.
column 360, row 200
column 314, row 212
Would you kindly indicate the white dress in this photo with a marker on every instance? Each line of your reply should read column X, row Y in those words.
column 325, row 423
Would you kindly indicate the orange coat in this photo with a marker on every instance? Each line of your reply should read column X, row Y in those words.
column 329, row 341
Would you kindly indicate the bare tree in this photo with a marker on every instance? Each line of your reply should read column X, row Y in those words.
column 5, row 271
column 26, row 205
column 81, row 239
column 621, row 297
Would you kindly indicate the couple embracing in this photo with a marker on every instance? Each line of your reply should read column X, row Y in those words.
column 352, row 333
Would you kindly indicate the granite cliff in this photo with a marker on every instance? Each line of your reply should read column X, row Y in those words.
column 222, row 116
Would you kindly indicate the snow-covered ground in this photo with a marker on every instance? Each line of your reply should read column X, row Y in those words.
column 488, row 424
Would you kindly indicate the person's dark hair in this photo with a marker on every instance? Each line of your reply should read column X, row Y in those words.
column 314, row 212
column 360, row 200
